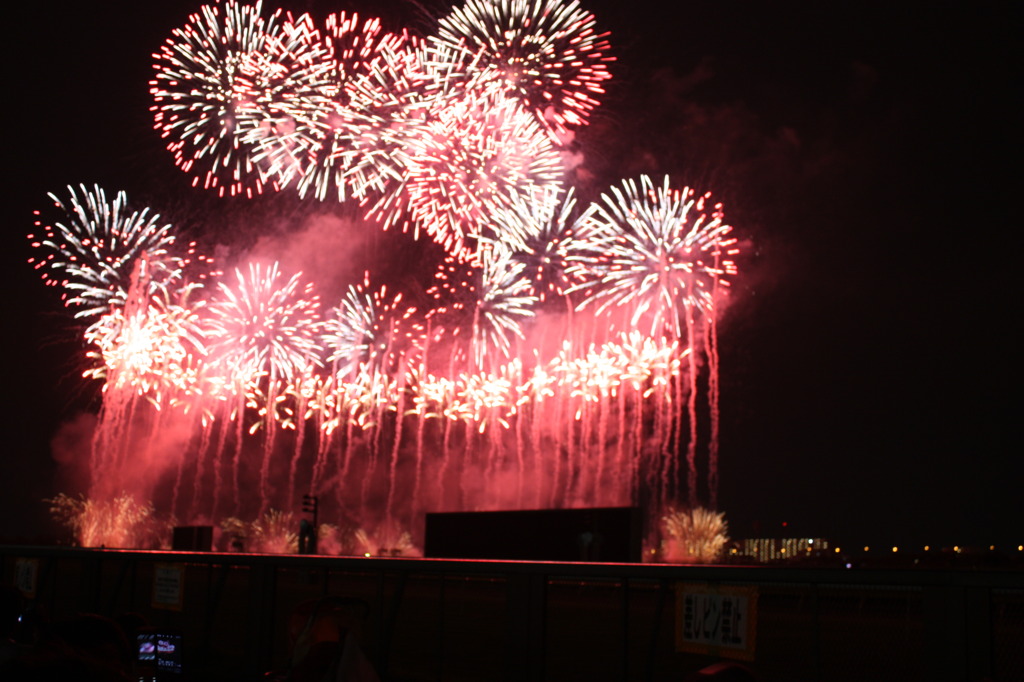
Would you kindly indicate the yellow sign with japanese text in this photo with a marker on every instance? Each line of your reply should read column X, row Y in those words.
column 716, row 620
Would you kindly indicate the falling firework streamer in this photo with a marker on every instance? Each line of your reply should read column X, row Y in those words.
column 691, row 407
column 714, row 391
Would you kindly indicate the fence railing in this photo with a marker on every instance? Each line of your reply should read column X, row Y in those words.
column 432, row 619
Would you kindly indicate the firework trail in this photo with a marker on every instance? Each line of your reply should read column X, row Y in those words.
column 315, row 393
column 545, row 53
column 656, row 251
column 93, row 250
column 631, row 364
column 713, row 396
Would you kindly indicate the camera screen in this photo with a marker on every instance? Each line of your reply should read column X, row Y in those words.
column 160, row 651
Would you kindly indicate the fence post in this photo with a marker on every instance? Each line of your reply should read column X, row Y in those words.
column 958, row 632
column 978, row 634
column 262, row 596
column 525, row 624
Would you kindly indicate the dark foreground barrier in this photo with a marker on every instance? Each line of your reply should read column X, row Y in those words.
column 434, row 619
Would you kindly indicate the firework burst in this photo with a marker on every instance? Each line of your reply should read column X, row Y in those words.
column 542, row 225
column 545, row 53
column 388, row 539
column 93, row 250
column 325, row 142
column 366, row 327
column 264, row 324
column 492, row 298
column 289, row 83
column 156, row 349
column 411, row 83
column 656, row 249
column 228, row 79
column 273, row 532
column 463, row 166
column 119, row 522
column 632, row 360
column 472, row 403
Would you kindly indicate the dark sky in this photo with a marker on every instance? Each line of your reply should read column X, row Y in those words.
column 863, row 153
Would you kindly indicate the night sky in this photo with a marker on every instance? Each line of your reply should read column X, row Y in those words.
column 863, row 154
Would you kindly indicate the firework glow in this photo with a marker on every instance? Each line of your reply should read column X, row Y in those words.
column 542, row 352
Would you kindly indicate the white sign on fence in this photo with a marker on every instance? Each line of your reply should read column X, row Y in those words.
column 168, row 586
column 26, row 575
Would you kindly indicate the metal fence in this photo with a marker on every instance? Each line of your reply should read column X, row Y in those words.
column 428, row 619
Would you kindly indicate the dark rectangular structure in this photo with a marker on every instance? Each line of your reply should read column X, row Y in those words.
column 192, row 538
column 597, row 534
